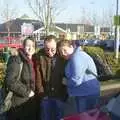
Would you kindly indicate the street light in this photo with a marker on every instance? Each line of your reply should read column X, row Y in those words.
column 117, row 4
column 117, row 33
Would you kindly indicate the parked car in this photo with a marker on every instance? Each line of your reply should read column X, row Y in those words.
column 40, row 43
column 88, row 42
column 107, row 44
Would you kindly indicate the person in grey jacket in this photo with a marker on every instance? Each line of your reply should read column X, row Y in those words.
column 23, row 102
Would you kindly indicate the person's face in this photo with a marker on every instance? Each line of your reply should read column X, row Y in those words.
column 50, row 48
column 29, row 47
column 66, row 51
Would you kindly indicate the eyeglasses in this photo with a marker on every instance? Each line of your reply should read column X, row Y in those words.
column 50, row 49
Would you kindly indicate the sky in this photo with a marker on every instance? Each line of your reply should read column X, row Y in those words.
column 72, row 10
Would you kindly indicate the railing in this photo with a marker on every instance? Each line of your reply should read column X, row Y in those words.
column 10, row 42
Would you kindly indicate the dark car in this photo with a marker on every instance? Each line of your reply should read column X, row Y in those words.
column 88, row 42
column 107, row 44
column 40, row 43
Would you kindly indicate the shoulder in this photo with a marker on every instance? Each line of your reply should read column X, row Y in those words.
column 14, row 59
column 79, row 57
column 81, row 53
column 60, row 59
column 38, row 55
column 41, row 52
column 14, row 52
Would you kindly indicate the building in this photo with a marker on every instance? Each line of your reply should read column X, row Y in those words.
column 71, row 31
column 15, row 26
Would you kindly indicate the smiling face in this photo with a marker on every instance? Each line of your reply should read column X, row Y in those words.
column 50, row 47
column 66, row 51
column 29, row 47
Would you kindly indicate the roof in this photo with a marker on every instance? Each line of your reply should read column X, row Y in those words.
column 74, row 27
column 16, row 24
column 25, row 16
column 56, row 28
column 105, row 29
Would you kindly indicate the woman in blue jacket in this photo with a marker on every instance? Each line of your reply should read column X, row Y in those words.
column 80, row 74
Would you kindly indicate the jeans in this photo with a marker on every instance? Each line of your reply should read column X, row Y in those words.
column 70, row 107
column 51, row 109
column 114, row 117
column 85, row 103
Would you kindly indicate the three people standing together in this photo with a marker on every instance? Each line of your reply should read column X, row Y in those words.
column 43, row 74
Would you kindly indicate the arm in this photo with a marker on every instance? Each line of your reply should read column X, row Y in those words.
column 38, row 83
column 14, row 85
column 75, row 71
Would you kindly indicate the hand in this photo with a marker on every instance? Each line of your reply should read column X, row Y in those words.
column 64, row 81
column 31, row 94
column 41, row 94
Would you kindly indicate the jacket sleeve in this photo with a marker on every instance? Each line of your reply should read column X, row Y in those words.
column 12, row 72
column 75, row 71
column 38, row 83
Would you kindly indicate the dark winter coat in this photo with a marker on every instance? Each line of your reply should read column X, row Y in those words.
column 23, row 86
column 49, row 78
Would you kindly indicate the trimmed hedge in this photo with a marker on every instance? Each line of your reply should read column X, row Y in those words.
column 108, row 57
column 94, row 51
column 2, row 73
column 113, row 63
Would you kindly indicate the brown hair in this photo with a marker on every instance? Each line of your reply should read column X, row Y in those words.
column 64, row 43
column 29, row 38
column 49, row 38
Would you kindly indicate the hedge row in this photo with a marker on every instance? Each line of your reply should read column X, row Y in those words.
column 108, row 57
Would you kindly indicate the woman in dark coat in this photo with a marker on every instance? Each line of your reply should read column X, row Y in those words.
column 23, row 103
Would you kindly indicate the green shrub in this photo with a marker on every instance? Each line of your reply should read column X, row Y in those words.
column 115, row 65
column 94, row 50
column 106, row 56
column 2, row 73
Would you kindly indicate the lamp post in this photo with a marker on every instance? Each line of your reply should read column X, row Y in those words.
column 117, row 33
column 117, row 4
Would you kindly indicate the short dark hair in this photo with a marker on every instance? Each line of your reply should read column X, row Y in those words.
column 49, row 38
column 29, row 38
column 64, row 43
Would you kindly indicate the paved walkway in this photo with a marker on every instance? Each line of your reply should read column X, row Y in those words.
column 110, row 89
column 110, row 86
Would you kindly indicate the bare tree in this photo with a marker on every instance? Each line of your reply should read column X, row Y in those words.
column 45, row 11
column 8, row 14
column 109, row 19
